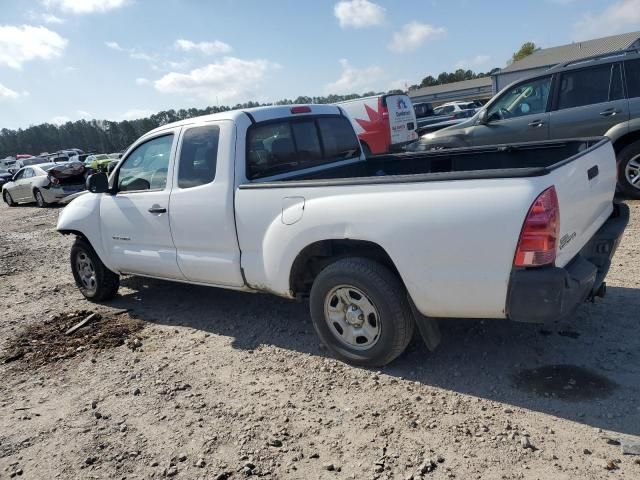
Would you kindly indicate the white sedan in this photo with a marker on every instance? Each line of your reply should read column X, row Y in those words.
column 43, row 185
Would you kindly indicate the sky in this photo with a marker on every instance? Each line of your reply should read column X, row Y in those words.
column 64, row 60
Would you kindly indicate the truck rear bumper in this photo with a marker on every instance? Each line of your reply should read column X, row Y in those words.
column 539, row 295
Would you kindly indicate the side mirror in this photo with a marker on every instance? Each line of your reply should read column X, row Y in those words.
column 482, row 117
column 98, row 183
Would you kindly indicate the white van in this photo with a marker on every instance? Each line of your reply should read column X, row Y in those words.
column 383, row 123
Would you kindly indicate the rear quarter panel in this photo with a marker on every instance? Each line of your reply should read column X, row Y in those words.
column 453, row 242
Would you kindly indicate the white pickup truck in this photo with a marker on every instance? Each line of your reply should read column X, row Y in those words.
column 281, row 200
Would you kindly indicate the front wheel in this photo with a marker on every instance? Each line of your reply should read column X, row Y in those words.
column 361, row 312
column 8, row 199
column 629, row 170
column 95, row 281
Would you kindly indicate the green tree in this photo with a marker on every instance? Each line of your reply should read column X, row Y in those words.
column 526, row 49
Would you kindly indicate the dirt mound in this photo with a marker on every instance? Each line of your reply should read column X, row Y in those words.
column 57, row 339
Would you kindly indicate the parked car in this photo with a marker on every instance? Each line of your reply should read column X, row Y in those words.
column 384, row 123
column 5, row 176
column 595, row 96
column 445, row 115
column 98, row 161
column 281, row 200
column 44, row 184
column 32, row 161
column 423, row 109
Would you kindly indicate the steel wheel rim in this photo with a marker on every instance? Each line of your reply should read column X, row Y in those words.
column 632, row 172
column 86, row 272
column 352, row 317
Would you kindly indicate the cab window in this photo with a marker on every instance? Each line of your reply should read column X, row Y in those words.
column 146, row 167
column 198, row 156
column 528, row 98
column 288, row 145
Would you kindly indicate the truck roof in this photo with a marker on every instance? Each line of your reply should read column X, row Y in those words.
column 259, row 114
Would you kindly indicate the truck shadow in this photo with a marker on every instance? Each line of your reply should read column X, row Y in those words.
column 585, row 368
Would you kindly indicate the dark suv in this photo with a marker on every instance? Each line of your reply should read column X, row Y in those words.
column 584, row 98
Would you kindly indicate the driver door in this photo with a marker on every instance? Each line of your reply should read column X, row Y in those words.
column 135, row 219
column 519, row 114
column 19, row 187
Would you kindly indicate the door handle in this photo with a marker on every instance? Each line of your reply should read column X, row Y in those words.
column 157, row 209
column 610, row 112
column 536, row 124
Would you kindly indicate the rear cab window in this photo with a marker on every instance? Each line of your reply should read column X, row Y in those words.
column 291, row 144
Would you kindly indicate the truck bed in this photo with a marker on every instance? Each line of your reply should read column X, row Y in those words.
column 501, row 161
column 449, row 220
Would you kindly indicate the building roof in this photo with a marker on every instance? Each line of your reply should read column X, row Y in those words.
column 573, row 51
column 476, row 83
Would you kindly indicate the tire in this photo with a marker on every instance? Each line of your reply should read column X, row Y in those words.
column 95, row 281
column 8, row 199
column 392, row 317
column 37, row 194
column 629, row 170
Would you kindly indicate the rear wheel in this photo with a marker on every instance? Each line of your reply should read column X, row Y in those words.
column 8, row 199
column 37, row 194
column 360, row 311
column 95, row 281
column 629, row 170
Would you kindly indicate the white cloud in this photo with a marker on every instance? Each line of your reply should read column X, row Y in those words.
column 137, row 113
column 358, row 13
column 114, row 46
column 355, row 80
column 622, row 16
column 24, row 43
column 84, row 114
column 44, row 17
column 84, row 6
column 59, row 120
column 475, row 62
column 142, row 81
column 230, row 79
column 413, row 35
column 7, row 94
column 207, row 48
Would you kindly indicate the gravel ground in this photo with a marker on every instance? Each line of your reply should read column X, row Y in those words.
column 219, row 384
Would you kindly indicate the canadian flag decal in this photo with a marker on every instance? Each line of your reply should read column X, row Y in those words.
column 374, row 117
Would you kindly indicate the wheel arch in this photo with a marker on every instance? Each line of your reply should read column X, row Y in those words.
column 317, row 255
column 625, row 140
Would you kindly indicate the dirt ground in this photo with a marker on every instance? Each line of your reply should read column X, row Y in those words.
column 179, row 381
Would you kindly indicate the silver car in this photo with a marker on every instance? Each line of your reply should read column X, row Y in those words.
column 36, row 183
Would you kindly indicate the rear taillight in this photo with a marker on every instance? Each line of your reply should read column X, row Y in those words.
column 54, row 180
column 539, row 236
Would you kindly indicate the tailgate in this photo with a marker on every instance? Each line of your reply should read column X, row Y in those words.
column 585, row 186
